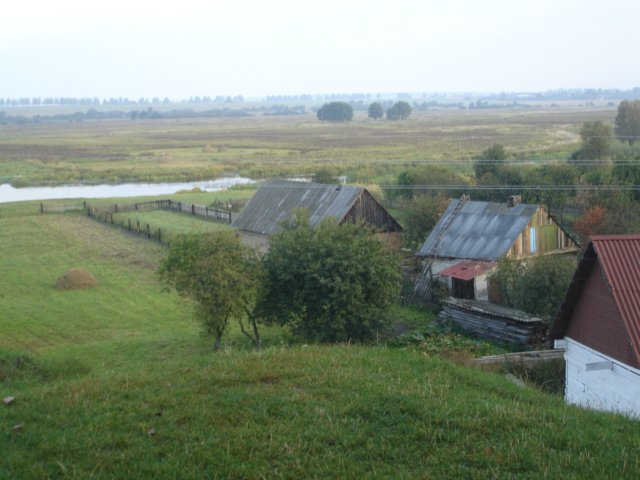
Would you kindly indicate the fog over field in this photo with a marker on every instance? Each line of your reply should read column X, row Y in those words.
column 143, row 48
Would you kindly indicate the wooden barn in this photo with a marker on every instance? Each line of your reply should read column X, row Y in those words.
column 277, row 200
column 471, row 237
column 598, row 324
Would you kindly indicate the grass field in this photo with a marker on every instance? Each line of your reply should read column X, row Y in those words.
column 116, row 382
column 368, row 151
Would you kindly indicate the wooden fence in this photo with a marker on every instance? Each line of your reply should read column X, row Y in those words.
column 134, row 227
column 62, row 207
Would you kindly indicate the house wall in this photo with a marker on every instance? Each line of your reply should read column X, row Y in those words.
column 615, row 389
column 596, row 321
column 546, row 236
column 482, row 290
column 368, row 209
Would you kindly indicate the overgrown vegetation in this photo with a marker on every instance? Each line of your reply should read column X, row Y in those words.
column 535, row 285
column 329, row 283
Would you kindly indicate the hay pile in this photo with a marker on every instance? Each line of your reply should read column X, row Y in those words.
column 74, row 279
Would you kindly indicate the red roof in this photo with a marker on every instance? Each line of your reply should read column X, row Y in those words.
column 619, row 256
column 467, row 270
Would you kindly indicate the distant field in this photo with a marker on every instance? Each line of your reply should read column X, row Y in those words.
column 367, row 151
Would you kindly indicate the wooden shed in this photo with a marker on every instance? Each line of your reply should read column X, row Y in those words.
column 277, row 200
column 471, row 237
column 598, row 324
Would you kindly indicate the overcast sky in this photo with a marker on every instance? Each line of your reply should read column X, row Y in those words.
column 147, row 48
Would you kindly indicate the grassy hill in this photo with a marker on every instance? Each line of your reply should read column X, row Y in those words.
column 115, row 382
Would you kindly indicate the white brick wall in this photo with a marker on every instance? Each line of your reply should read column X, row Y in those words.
column 594, row 380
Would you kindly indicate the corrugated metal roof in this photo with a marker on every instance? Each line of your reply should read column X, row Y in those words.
column 480, row 230
column 619, row 256
column 467, row 270
column 276, row 200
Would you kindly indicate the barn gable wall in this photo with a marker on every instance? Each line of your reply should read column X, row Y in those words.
column 548, row 237
column 368, row 209
column 596, row 320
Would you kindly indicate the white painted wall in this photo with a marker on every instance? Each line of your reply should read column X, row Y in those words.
column 594, row 380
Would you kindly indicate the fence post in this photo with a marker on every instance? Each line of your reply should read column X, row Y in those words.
column 111, row 218
column 42, row 208
column 115, row 207
column 159, row 235
column 193, row 209
column 129, row 220
column 138, row 226
column 148, row 231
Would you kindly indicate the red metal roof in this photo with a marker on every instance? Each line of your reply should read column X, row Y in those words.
column 619, row 256
column 467, row 270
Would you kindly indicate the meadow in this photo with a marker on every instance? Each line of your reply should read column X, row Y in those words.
column 367, row 151
column 116, row 382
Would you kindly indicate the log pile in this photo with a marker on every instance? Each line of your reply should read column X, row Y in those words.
column 494, row 322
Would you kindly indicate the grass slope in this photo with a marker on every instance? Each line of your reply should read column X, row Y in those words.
column 116, row 383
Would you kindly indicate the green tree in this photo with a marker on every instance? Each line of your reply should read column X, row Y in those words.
column 422, row 212
column 627, row 122
column 596, row 140
column 376, row 110
column 329, row 283
column 489, row 161
column 536, row 285
column 335, row 112
column 325, row 175
column 399, row 111
column 219, row 275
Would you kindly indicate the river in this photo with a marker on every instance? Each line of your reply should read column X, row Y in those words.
column 9, row 193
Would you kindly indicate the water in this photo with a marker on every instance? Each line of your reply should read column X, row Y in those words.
column 11, row 194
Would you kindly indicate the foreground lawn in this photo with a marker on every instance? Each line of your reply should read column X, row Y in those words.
column 115, row 382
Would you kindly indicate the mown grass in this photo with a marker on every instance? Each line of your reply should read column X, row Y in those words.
column 116, row 383
column 117, row 151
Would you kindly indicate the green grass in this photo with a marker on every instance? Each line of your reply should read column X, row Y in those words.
column 117, row 151
column 116, row 382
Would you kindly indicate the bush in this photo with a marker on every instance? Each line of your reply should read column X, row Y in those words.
column 330, row 283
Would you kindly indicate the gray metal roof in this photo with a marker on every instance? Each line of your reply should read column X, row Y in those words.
column 276, row 200
column 480, row 230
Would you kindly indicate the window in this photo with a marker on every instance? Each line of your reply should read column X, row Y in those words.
column 533, row 247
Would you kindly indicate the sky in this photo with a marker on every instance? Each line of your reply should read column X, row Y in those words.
column 178, row 49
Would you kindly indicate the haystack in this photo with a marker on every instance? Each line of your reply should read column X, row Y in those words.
column 76, row 278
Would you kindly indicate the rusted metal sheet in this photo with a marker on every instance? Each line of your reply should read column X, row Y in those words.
column 467, row 270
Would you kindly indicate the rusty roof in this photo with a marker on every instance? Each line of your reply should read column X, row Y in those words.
column 467, row 270
column 619, row 257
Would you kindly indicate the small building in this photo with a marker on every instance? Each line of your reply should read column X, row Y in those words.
column 472, row 236
column 598, row 324
column 277, row 200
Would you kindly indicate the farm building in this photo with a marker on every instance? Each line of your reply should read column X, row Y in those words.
column 599, row 322
column 471, row 237
column 277, row 200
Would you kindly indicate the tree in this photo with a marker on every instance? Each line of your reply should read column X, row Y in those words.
column 536, row 285
column 489, row 160
column 325, row 175
column 399, row 111
column 335, row 112
column 220, row 275
column 627, row 122
column 329, row 283
column 376, row 110
column 422, row 214
column 596, row 140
